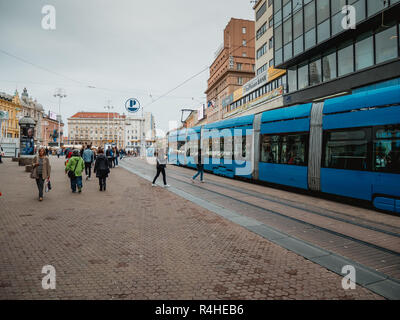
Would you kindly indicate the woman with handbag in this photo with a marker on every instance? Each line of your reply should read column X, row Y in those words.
column 41, row 171
column 74, row 170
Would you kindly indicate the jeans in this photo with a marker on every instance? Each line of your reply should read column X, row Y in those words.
column 88, row 168
column 160, row 169
column 40, row 185
column 116, row 160
column 76, row 182
column 200, row 171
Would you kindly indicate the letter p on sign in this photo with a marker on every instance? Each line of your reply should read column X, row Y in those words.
column 49, row 280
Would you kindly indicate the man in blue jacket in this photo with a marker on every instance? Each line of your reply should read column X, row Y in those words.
column 88, row 158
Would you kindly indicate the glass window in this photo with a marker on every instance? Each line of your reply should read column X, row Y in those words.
column 337, row 23
column 387, row 149
column 278, row 18
column 364, row 51
column 329, row 66
column 278, row 37
column 346, row 150
column 345, row 60
column 315, row 72
column 287, row 10
column 298, row 45
column 322, row 10
column 309, row 16
column 359, row 5
column 298, row 24
column 261, row 11
column 310, row 39
column 303, row 77
column 374, row 6
column 242, row 148
column 287, row 31
column 277, row 5
column 336, row 6
column 297, row 5
column 386, row 45
column 278, row 57
column 323, row 31
column 287, row 51
column 289, row 149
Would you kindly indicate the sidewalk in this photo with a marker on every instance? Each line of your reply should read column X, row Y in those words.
column 139, row 242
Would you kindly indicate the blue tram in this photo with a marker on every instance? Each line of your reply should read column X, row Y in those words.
column 347, row 146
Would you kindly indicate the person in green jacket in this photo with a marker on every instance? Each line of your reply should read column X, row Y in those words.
column 76, row 166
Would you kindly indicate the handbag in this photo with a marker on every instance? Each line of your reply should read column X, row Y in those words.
column 71, row 174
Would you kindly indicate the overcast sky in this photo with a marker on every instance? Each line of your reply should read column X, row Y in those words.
column 128, row 48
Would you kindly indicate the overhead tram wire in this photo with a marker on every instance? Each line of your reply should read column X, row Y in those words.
column 197, row 74
column 99, row 88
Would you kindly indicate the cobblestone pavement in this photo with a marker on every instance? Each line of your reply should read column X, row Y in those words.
column 139, row 242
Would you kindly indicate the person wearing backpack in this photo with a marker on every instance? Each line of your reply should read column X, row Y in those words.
column 74, row 169
column 101, row 169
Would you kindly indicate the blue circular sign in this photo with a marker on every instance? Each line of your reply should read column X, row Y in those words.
column 132, row 105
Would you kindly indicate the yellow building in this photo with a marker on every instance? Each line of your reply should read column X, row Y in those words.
column 12, row 105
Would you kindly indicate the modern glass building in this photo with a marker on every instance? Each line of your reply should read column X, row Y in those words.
column 324, row 58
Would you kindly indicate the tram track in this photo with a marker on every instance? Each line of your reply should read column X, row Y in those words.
column 374, row 255
column 289, row 203
column 380, row 248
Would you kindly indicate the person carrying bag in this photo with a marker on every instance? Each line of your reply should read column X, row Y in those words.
column 74, row 169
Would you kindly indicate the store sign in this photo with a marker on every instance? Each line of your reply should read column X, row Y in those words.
column 200, row 113
column 227, row 100
column 269, row 96
column 275, row 73
column 53, row 115
column 255, row 83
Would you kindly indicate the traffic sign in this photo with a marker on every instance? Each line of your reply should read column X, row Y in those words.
column 132, row 105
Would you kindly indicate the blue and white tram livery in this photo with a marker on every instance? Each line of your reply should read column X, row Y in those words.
column 347, row 146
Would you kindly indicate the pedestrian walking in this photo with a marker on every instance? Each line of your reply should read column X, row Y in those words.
column 116, row 156
column 41, row 171
column 161, row 165
column 74, row 169
column 88, row 158
column 101, row 169
column 1, row 154
column 59, row 153
column 200, row 168
column 109, row 155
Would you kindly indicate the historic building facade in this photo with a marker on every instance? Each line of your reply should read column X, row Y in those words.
column 233, row 66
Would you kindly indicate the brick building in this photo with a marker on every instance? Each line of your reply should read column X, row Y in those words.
column 234, row 65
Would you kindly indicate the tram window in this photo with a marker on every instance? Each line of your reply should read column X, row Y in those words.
column 288, row 149
column 387, row 149
column 242, row 148
column 347, row 150
column 269, row 149
column 181, row 147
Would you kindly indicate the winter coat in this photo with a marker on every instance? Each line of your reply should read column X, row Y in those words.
column 46, row 168
column 101, row 168
column 78, row 162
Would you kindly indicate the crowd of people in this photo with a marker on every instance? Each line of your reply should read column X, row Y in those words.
column 77, row 162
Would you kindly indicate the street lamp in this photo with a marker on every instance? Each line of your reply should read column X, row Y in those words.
column 60, row 93
column 108, row 118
